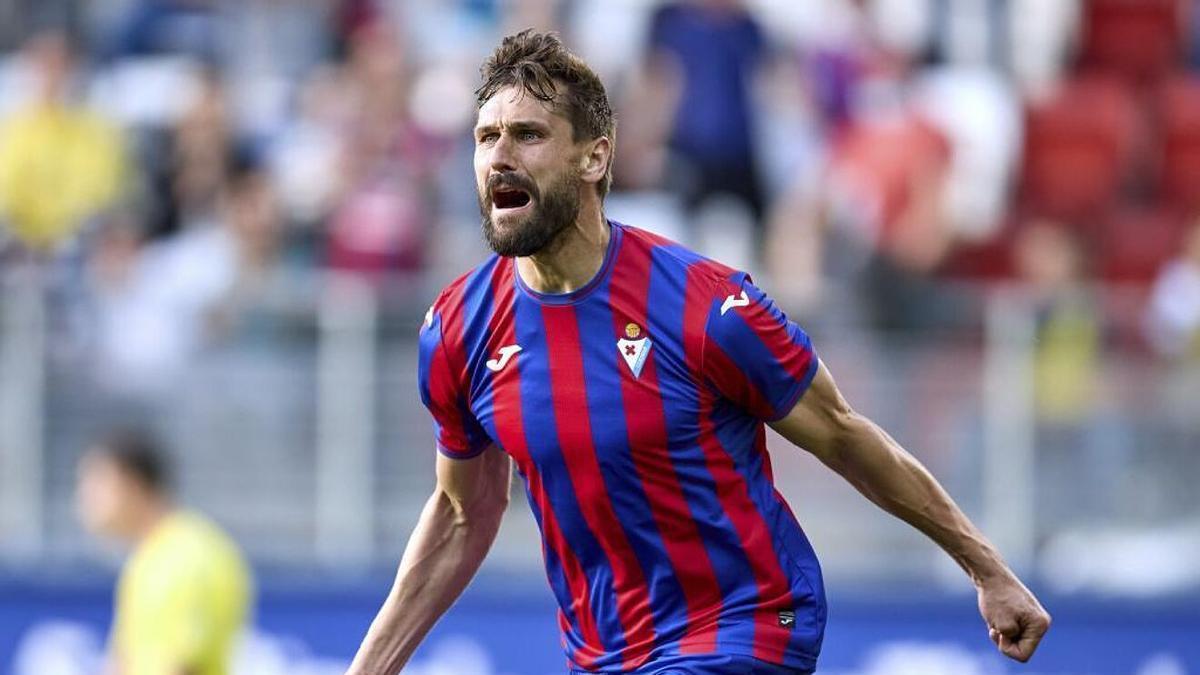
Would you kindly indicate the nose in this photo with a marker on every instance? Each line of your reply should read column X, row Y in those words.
column 501, row 157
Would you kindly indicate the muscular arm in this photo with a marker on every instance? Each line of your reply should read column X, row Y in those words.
column 866, row 456
column 455, row 531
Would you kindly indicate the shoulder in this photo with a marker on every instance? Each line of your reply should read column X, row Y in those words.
column 456, row 323
column 192, row 541
column 470, row 292
column 676, row 260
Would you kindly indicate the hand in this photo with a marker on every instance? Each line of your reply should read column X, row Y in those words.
column 1016, row 620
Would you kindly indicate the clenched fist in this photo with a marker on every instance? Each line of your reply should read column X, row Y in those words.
column 1016, row 620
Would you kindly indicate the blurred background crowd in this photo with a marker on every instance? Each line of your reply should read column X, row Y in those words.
column 224, row 220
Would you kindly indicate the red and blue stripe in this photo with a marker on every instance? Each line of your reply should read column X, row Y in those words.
column 663, row 533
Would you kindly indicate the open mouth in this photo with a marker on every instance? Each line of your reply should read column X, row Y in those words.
column 510, row 198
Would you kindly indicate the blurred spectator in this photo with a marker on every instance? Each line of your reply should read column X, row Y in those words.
column 1172, row 323
column 200, row 151
column 1173, row 317
column 836, row 60
column 350, row 17
column 877, row 214
column 19, row 19
column 707, row 52
column 305, row 155
column 381, row 222
column 155, row 27
column 60, row 165
column 251, row 231
column 1042, row 36
column 1066, row 362
column 151, row 303
column 542, row 15
column 1078, row 431
column 1032, row 40
column 888, row 171
column 158, row 303
column 184, row 594
column 978, row 113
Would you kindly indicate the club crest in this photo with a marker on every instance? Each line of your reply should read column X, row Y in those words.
column 634, row 348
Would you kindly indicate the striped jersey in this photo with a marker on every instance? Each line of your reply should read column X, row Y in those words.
column 634, row 409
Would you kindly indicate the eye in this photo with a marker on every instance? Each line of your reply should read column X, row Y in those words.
column 488, row 137
column 529, row 135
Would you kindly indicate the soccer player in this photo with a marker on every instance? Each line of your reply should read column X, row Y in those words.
column 629, row 379
column 183, row 595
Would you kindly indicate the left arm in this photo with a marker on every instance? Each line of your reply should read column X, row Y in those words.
column 823, row 423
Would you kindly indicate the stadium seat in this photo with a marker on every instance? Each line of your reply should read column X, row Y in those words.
column 1179, row 170
column 1137, row 39
column 1080, row 146
column 986, row 260
column 1136, row 241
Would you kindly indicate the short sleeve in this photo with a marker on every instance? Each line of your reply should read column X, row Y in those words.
column 754, row 356
column 457, row 433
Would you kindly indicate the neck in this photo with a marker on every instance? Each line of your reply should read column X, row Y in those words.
column 150, row 515
column 574, row 258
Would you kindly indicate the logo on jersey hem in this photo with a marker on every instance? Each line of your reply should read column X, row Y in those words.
column 787, row 618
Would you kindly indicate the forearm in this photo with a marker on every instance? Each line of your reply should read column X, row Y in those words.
column 893, row 479
column 823, row 423
column 442, row 556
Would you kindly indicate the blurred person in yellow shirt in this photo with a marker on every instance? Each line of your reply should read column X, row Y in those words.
column 184, row 593
column 1069, row 346
column 59, row 163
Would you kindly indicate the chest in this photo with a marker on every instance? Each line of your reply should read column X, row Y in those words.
column 593, row 379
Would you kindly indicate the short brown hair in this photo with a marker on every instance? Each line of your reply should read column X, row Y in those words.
column 536, row 63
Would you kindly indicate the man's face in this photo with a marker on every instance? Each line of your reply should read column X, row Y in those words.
column 104, row 495
column 527, row 172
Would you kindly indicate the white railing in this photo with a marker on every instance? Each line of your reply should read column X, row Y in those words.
column 328, row 504
column 22, row 414
column 346, row 401
column 1009, row 461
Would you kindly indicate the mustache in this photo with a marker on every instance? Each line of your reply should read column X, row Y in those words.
column 510, row 179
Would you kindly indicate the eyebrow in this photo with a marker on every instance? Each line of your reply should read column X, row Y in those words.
column 515, row 126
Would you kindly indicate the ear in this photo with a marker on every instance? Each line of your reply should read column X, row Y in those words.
column 596, row 157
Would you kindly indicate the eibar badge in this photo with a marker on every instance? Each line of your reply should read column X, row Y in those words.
column 634, row 348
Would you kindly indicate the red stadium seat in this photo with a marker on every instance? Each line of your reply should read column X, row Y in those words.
column 989, row 260
column 1079, row 148
column 1135, row 243
column 1138, row 39
column 1179, row 171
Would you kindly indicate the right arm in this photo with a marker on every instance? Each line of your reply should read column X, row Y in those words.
column 455, row 531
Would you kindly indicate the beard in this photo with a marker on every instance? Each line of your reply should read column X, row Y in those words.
column 549, row 217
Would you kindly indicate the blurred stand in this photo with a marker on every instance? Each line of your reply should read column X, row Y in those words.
column 225, row 221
